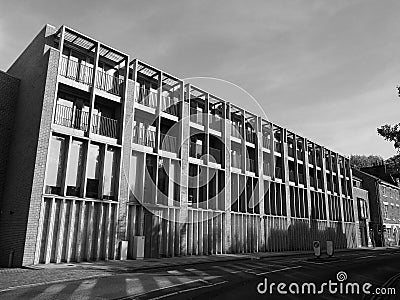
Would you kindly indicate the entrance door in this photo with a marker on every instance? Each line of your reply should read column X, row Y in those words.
column 363, row 233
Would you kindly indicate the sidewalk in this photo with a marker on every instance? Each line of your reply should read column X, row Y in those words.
column 54, row 273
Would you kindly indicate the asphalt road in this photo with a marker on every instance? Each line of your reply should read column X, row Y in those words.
column 268, row 278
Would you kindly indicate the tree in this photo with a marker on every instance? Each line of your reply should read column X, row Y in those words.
column 391, row 133
column 361, row 161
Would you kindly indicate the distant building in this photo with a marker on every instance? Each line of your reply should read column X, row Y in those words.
column 360, row 195
column 384, row 205
column 99, row 151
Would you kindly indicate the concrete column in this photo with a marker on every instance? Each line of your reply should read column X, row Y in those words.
column 286, row 174
column 185, row 133
column 226, row 135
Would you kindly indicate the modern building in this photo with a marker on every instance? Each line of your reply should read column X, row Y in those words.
column 384, row 206
column 105, row 150
column 360, row 195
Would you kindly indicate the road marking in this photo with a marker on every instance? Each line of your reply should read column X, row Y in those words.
column 163, row 288
column 279, row 270
column 50, row 282
column 190, row 289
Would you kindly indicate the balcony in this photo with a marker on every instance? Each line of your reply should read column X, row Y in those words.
column 278, row 146
column 71, row 117
column 146, row 97
column 250, row 165
column 196, row 115
column 266, row 169
column 301, row 178
column 236, row 131
column 144, row 135
column 216, row 153
column 168, row 143
column 278, row 172
column 109, row 83
column 290, row 150
column 236, row 160
column 291, row 175
column 196, row 150
column 170, row 105
column 266, row 141
column 300, row 154
column 76, row 71
column 250, row 136
column 105, row 126
column 216, row 122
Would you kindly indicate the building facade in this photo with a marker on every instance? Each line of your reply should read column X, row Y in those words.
column 384, row 205
column 105, row 149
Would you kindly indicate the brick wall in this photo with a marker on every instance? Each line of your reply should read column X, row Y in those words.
column 28, row 150
column 8, row 98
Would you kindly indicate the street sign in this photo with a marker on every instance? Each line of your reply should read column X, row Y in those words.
column 329, row 248
column 317, row 248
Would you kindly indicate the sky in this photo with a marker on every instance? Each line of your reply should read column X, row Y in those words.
column 327, row 70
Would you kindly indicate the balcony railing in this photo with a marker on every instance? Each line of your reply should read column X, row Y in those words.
column 196, row 116
column 236, row 131
column 170, row 105
column 290, row 151
column 168, row 143
column 196, row 150
column 144, row 135
column 76, row 71
column 300, row 154
column 291, row 176
column 266, row 140
column 216, row 153
column 278, row 172
column 301, row 178
column 236, row 161
column 71, row 117
column 250, row 165
column 146, row 97
column 216, row 122
column 109, row 83
column 105, row 126
column 250, row 137
column 267, row 169
column 278, row 146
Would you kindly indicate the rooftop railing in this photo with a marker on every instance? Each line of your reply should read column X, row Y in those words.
column 170, row 105
column 71, row 117
column 216, row 122
column 109, row 83
column 196, row 116
column 146, row 97
column 250, row 136
column 76, row 70
column 266, row 141
column 236, row 131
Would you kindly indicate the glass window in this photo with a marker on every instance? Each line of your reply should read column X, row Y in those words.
column 75, row 168
column 55, row 165
column 110, row 166
column 93, row 171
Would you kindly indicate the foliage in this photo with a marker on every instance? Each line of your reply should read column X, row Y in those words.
column 361, row 161
column 391, row 133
